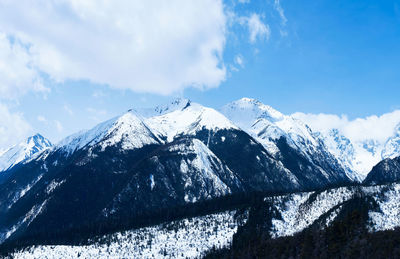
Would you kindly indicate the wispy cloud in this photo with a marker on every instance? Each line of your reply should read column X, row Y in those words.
column 257, row 29
column 41, row 118
column 68, row 110
column 58, row 126
column 281, row 12
column 239, row 60
column 96, row 114
column 98, row 94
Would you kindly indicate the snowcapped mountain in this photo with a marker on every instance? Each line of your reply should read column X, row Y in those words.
column 147, row 165
column 269, row 126
column 137, row 128
column 189, row 120
column 137, row 164
column 343, row 149
column 22, row 151
column 128, row 130
column 391, row 148
column 359, row 157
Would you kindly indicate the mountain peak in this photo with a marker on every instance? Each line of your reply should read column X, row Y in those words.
column 38, row 140
column 246, row 111
column 23, row 150
column 191, row 118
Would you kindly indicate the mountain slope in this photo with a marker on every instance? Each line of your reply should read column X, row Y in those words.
column 387, row 171
column 360, row 155
column 22, row 151
column 392, row 145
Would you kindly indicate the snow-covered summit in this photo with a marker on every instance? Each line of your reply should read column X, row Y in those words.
column 23, row 150
column 268, row 124
column 391, row 148
column 129, row 130
column 244, row 112
column 189, row 120
column 134, row 129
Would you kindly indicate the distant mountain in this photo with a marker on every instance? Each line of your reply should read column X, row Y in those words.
column 392, row 146
column 22, row 151
column 136, row 165
column 359, row 157
column 271, row 128
column 387, row 171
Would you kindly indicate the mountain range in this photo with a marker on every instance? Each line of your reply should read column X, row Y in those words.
column 358, row 157
column 147, row 163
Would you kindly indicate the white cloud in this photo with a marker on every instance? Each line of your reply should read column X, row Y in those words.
column 150, row 46
column 58, row 126
column 239, row 60
column 13, row 127
column 281, row 12
column 378, row 128
column 17, row 72
column 257, row 29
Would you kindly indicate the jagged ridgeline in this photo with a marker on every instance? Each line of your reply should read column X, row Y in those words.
column 171, row 163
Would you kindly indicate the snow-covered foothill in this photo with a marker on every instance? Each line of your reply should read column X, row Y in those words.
column 388, row 217
column 298, row 211
column 188, row 238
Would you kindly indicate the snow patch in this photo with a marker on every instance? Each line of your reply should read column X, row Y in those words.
column 389, row 204
column 298, row 211
column 152, row 183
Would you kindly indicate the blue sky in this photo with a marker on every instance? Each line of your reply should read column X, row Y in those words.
column 69, row 70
